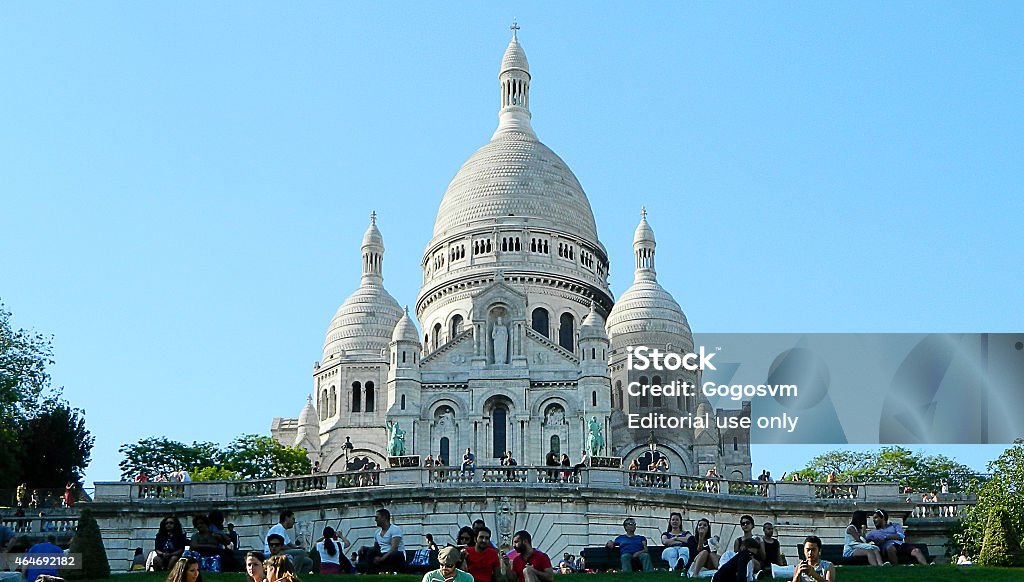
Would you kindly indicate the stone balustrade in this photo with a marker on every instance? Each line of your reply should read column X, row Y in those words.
column 517, row 476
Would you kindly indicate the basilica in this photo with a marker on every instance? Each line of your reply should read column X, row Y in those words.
column 521, row 345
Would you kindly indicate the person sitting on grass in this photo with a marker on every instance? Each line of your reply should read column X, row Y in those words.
column 449, row 559
column 676, row 541
column 279, row 569
column 631, row 547
column 855, row 544
column 185, row 570
column 812, row 568
column 889, row 537
column 254, row 567
column 704, row 553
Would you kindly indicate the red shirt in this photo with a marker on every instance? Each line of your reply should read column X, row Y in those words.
column 538, row 559
column 481, row 564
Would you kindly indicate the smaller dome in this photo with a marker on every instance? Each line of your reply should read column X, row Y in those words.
column 364, row 322
column 372, row 237
column 592, row 326
column 405, row 330
column 644, row 233
column 515, row 58
column 308, row 415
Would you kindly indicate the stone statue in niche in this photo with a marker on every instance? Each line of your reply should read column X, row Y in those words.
column 499, row 336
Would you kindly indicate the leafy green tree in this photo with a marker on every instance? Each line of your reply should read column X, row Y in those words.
column 893, row 463
column 24, row 357
column 1004, row 490
column 214, row 474
column 43, row 441
column 259, row 457
column 56, row 446
column 155, row 455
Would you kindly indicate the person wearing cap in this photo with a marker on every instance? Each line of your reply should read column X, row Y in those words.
column 889, row 538
column 449, row 558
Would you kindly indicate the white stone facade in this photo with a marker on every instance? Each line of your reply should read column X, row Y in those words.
column 522, row 342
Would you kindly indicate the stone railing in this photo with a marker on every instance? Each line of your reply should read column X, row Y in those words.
column 41, row 525
column 517, row 476
column 941, row 509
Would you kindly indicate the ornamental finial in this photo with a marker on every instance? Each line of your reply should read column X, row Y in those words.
column 373, row 217
column 514, row 28
column 643, row 213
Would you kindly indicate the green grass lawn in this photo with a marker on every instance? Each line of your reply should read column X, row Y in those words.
column 843, row 574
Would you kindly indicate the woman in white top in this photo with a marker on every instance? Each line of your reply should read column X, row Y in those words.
column 332, row 551
column 855, row 545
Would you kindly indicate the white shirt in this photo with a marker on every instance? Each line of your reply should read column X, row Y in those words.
column 384, row 540
column 339, row 549
column 279, row 530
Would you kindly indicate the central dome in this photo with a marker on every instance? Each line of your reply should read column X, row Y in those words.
column 515, row 175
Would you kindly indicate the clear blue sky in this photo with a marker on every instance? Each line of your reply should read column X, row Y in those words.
column 183, row 186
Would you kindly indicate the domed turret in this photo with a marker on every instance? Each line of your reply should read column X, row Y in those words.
column 405, row 330
column 363, row 324
column 647, row 314
column 308, row 415
column 592, row 326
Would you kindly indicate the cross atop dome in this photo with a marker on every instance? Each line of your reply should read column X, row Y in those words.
column 514, row 28
column 373, row 217
column 643, row 213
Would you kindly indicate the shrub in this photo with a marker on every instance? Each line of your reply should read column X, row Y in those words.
column 88, row 542
column 1001, row 546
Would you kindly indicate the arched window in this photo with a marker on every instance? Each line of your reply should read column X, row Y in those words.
column 656, row 399
column 618, row 393
column 369, row 397
column 540, row 321
column 644, row 394
column 456, row 325
column 555, row 445
column 403, row 401
column 442, row 452
column 322, row 402
column 332, row 402
column 357, row 397
column 567, row 331
column 499, row 422
column 437, row 335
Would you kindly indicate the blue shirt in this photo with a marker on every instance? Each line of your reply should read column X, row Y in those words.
column 42, row 548
column 630, row 544
column 880, row 534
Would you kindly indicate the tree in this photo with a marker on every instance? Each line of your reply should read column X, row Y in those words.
column 35, row 425
column 214, row 474
column 156, row 455
column 24, row 356
column 1004, row 490
column 259, row 457
column 55, row 446
column 893, row 463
